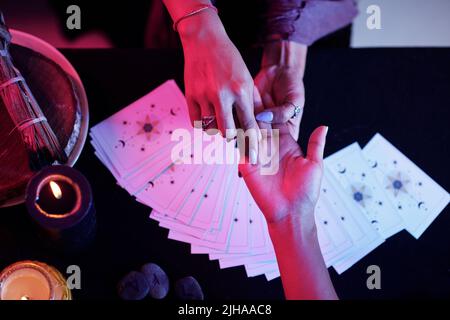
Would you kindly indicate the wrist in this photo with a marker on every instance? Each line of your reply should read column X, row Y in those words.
column 204, row 26
column 285, row 53
column 295, row 225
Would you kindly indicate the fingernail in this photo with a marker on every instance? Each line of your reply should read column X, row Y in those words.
column 253, row 156
column 265, row 116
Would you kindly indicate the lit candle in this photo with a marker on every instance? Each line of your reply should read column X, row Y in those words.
column 59, row 200
column 32, row 280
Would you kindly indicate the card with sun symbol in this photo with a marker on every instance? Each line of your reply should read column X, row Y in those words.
column 416, row 196
column 350, row 169
column 130, row 137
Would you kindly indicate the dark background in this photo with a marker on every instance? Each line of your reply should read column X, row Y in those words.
column 402, row 93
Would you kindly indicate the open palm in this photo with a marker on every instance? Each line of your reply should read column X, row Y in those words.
column 295, row 187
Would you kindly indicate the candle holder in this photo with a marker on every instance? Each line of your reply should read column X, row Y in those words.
column 59, row 199
column 33, row 280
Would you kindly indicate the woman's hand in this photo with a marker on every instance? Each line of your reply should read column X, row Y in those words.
column 280, row 83
column 294, row 189
column 217, row 79
column 287, row 199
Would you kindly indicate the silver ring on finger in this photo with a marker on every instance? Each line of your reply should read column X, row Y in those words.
column 297, row 110
column 207, row 120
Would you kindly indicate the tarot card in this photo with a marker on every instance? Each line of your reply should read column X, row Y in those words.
column 225, row 212
column 256, row 269
column 131, row 136
column 201, row 202
column 350, row 169
column 333, row 239
column 208, row 212
column 235, row 260
column 417, row 198
column 161, row 188
column 216, row 238
column 363, row 236
column 260, row 242
column 272, row 275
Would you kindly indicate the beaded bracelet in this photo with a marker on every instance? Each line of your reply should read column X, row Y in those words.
column 192, row 13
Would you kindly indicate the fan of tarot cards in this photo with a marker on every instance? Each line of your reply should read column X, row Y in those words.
column 367, row 194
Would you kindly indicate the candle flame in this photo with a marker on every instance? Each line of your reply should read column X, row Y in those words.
column 56, row 189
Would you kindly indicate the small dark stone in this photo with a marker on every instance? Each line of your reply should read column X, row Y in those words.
column 157, row 280
column 133, row 286
column 188, row 289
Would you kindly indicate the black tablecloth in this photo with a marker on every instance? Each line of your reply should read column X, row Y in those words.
column 402, row 93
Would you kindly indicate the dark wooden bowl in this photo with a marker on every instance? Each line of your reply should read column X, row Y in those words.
column 61, row 96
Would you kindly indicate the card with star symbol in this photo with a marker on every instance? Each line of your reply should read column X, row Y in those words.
column 131, row 137
column 366, row 196
column 415, row 195
column 351, row 170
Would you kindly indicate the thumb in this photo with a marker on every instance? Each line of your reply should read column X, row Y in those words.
column 316, row 144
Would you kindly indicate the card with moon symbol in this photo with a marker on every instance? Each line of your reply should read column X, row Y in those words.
column 162, row 187
column 416, row 196
column 131, row 136
column 362, row 234
column 362, row 201
column 350, row 169
column 208, row 206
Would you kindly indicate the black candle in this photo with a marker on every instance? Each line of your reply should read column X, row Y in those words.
column 59, row 196
column 59, row 200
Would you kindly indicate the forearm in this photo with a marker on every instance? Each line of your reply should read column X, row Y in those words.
column 303, row 271
column 285, row 53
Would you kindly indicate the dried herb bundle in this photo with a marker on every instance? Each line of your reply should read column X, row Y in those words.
column 41, row 143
